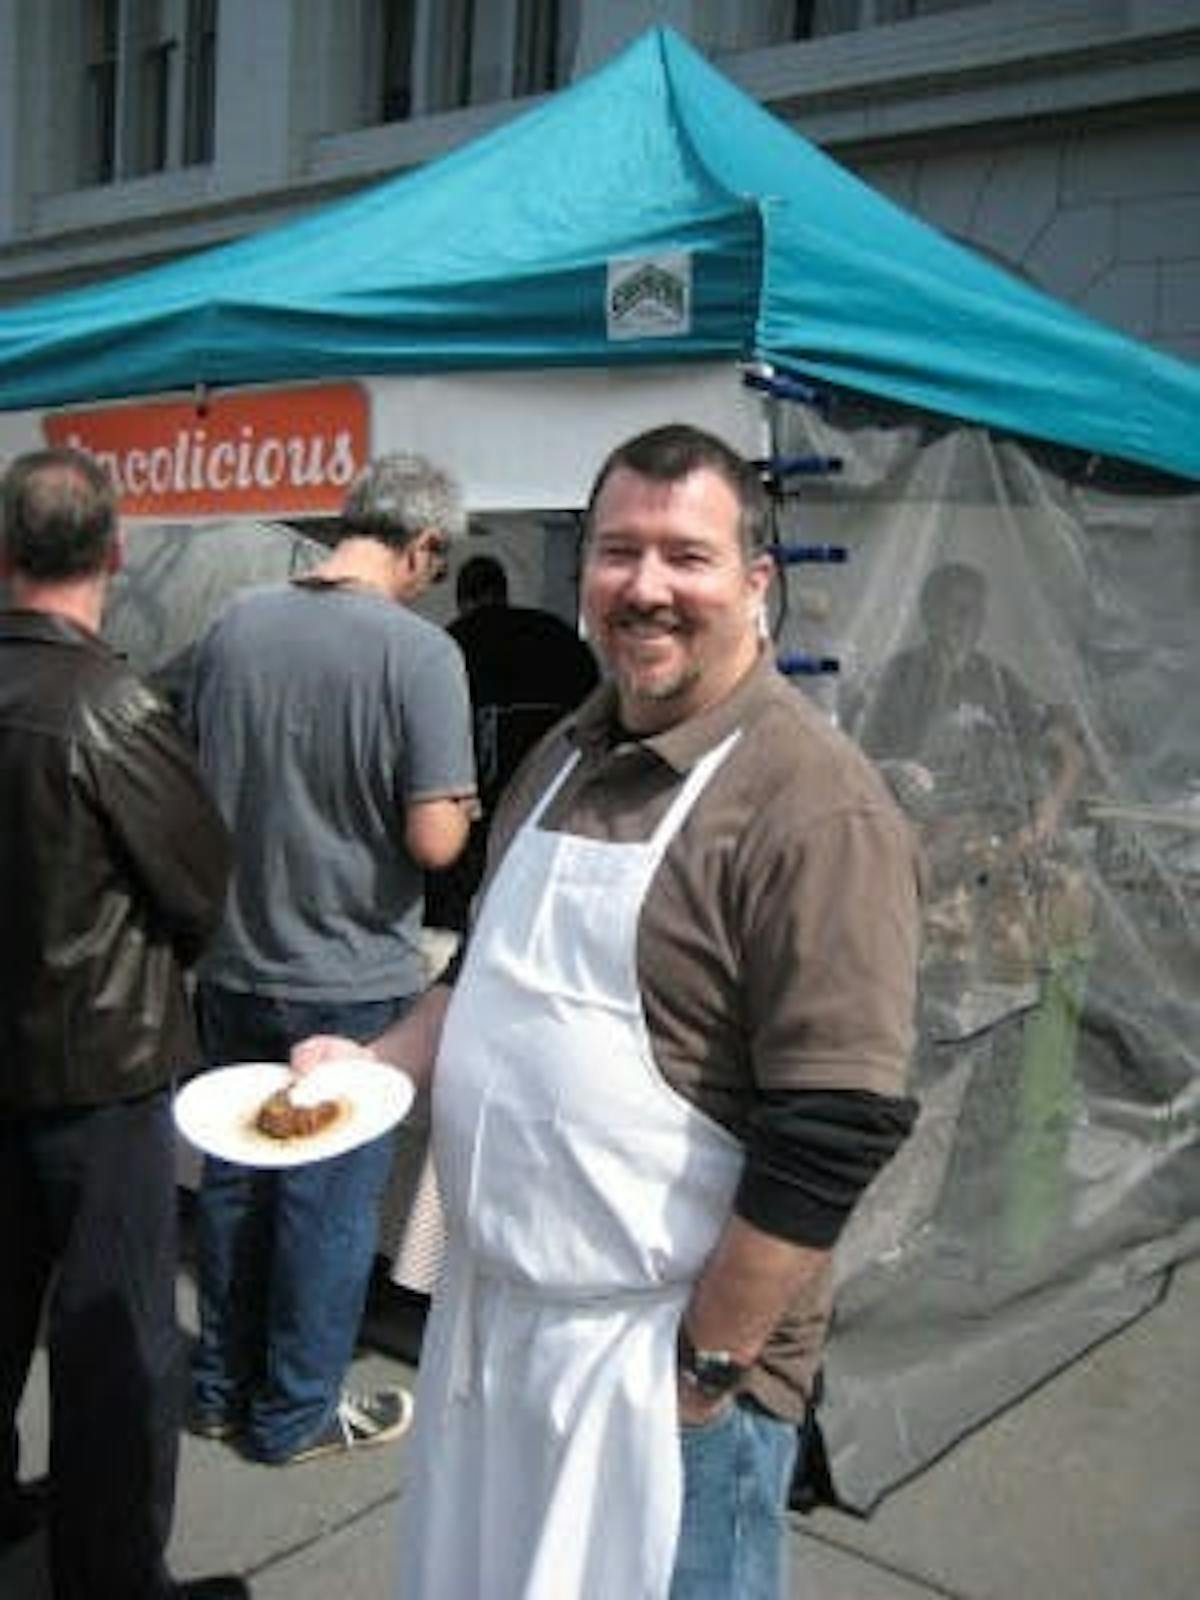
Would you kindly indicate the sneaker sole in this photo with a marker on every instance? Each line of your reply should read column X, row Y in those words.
column 218, row 1430
column 342, row 1447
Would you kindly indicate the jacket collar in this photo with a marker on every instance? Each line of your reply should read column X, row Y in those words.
column 48, row 627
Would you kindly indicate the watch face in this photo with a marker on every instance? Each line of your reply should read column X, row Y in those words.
column 713, row 1372
column 716, row 1375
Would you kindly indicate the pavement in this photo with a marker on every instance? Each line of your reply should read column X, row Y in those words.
column 1088, row 1489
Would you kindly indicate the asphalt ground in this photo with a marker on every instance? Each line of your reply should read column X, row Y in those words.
column 1088, row 1489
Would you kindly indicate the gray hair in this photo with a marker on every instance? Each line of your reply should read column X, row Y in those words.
column 395, row 498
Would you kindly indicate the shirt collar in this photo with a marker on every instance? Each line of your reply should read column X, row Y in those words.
column 681, row 746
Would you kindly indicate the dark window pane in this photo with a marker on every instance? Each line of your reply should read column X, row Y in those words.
column 200, row 82
column 535, row 54
column 99, row 122
column 396, row 53
column 98, row 125
column 154, row 99
column 103, row 17
column 451, row 50
column 802, row 19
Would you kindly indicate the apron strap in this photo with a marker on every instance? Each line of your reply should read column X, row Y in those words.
column 552, row 788
column 690, row 791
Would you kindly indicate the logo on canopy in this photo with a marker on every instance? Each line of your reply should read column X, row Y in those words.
column 279, row 452
column 650, row 297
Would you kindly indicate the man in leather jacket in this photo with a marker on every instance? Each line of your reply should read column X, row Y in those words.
column 113, row 866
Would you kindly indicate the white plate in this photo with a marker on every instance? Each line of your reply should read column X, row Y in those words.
column 216, row 1110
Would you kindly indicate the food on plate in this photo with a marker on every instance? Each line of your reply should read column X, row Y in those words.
column 281, row 1116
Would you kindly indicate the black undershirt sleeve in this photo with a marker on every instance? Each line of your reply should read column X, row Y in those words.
column 811, row 1153
column 449, row 975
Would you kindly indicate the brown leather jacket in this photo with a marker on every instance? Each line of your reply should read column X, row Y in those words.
column 113, row 867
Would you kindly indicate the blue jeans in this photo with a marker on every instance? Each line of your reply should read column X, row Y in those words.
column 737, row 1470
column 285, row 1256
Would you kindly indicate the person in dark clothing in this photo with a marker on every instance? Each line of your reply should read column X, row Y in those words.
column 988, row 773
column 981, row 737
column 526, row 668
column 113, row 867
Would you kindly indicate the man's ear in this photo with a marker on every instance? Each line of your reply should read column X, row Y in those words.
column 116, row 555
column 408, row 572
column 762, row 575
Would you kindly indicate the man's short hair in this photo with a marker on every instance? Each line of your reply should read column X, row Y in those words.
column 949, row 579
column 60, row 515
column 481, row 581
column 672, row 453
column 396, row 498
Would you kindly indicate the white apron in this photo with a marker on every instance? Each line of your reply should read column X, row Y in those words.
column 582, row 1196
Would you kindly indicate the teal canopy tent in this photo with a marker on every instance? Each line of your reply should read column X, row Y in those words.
column 502, row 254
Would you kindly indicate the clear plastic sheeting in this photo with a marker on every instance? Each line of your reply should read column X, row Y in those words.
column 176, row 578
column 1018, row 649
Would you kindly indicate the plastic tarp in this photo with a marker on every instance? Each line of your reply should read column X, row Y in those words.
column 1012, row 630
column 176, row 578
column 502, row 255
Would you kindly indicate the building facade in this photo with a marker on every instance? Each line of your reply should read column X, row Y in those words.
column 1062, row 137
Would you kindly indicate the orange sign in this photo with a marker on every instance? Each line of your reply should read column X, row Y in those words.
column 282, row 452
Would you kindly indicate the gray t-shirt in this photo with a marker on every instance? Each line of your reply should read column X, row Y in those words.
column 320, row 711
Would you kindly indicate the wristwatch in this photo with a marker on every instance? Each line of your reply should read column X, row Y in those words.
column 713, row 1372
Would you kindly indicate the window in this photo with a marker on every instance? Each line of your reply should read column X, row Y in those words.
column 422, row 57
column 397, row 22
column 451, row 48
column 754, row 23
column 149, row 86
column 152, row 105
column 100, row 92
column 802, row 19
column 419, row 57
column 535, row 48
column 200, row 82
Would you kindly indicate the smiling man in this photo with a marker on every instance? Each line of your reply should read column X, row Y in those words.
column 669, row 1063
column 671, row 599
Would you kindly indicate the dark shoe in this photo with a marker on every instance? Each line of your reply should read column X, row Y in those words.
column 23, row 1512
column 359, row 1421
column 227, row 1586
column 212, row 1424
